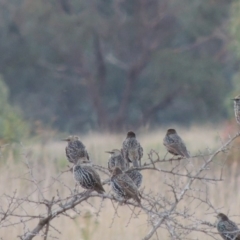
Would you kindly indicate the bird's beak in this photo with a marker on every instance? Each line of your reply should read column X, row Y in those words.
column 108, row 152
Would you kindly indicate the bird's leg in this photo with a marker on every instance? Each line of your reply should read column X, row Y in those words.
column 114, row 197
column 165, row 156
column 171, row 159
column 76, row 188
column 118, row 200
column 89, row 191
column 70, row 168
column 85, row 192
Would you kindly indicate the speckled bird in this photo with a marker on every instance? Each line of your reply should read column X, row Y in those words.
column 87, row 176
column 237, row 108
column 131, row 148
column 116, row 160
column 175, row 144
column 123, row 185
column 75, row 149
column 135, row 175
column 227, row 229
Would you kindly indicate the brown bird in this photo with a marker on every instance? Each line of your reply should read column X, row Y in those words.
column 123, row 185
column 237, row 108
column 87, row 176
column 175, row 144
column 116, row 160
column 131, row 148
column 75, row 149
column 226, row 228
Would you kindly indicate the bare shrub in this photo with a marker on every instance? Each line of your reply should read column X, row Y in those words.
column 182, row 192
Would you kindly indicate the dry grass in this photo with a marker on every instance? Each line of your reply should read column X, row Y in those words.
column 48, row 160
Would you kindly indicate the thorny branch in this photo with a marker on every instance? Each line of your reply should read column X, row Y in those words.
column 187, row 187
column 182, row 180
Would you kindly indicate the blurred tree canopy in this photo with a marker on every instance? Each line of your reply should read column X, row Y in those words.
column 235, row 31
column 12, row 125
column 79, row 65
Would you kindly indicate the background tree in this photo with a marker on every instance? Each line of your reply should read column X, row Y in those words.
column 110, row 65
column 12, row 124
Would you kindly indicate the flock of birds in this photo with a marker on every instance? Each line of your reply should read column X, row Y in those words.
column 125, row 184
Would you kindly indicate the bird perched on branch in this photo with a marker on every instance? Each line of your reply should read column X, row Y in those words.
column 135, row 175
column 131, row 148
column 87, row 176
column 237, row 108
column 75, row 149
column 226, row 228
column 116, row 160
column 123, row 185
column 175, row 144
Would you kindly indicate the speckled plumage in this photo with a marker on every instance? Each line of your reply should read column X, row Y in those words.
column 237, row 108
column 87, row 177
column 131, row 148
column 123, row 185
column 116, row 160
column 136, row 176
column 227, row 229
column 75, row 149
column 175, row 144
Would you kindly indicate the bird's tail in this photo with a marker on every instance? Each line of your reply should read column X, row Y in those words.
column 101, row 190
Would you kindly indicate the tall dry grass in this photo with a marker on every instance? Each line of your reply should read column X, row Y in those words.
column 47, row 160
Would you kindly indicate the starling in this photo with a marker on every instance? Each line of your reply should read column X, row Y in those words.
column 116, row 160
column 237, row 108
column 123, row 185
column 226, row 228
column 131, row 148
column 135, row 175
column 75, row 149
column 87, row 176
column 175, row 144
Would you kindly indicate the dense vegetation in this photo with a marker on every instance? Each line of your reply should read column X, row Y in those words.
column 12, row 125
column 79, row 65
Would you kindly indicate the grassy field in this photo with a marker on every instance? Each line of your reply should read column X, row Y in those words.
column 47, row 160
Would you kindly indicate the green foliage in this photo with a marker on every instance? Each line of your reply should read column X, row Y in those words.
column 228, row 103
column 200, row 82
column 235, row 26
column 68, row 59
column 12, row 125
column 235, row 48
